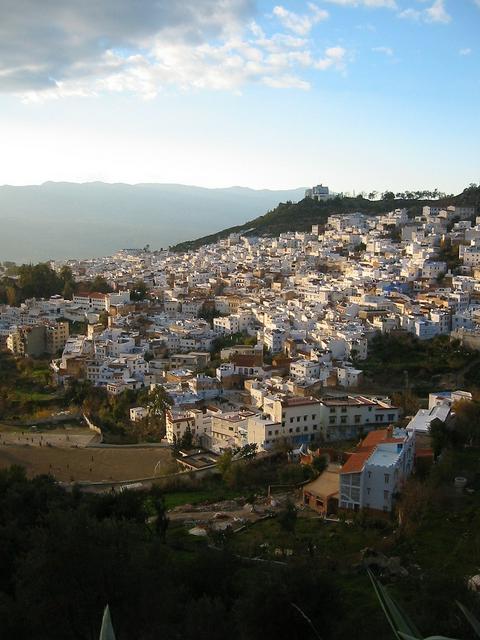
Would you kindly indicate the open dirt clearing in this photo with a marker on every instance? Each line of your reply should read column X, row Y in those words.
column 76, row 464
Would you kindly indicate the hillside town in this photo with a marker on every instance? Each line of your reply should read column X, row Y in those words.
column 259, row 341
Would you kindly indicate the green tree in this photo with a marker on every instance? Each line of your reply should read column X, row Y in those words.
column 161, row 518
column 138, row 291
column 224, row 462
column 99, row 285
column 186, row 441
column 287, row 517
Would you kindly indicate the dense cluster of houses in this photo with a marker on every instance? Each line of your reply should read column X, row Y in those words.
column 299, row 310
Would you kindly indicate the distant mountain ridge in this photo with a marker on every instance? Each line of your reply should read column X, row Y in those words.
column 300, row 216
column 63, row 219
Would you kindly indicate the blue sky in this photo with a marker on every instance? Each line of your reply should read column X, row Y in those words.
column 357, row 94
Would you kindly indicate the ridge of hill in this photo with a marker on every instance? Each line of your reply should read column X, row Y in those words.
column 300, row 216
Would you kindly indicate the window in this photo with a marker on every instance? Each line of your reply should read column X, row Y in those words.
column 332, row 419
column 391, row 417
column 386, row 494
column 290, row 430
column 298, row 419
column 291, row 420
column 276, row 432
column 387, row 478
column 369, row 474
column 343, row 419
column 315, row 427
column 305, row 428
column 283, row 423
column 305, row 418
column 368, row 490
column 269, row 433
column 313, row 416
column 332, row 409
column 358, row 417
column 344, row 409
column 297, row 429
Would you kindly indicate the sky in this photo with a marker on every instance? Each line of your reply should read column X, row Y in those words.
column 355, row 94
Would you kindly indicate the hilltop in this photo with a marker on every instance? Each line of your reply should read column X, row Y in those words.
column 300, row 216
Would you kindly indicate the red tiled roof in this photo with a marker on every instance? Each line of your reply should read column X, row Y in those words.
column 376, row 437
column 356, row 461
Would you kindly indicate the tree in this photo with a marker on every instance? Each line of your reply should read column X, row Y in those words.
column 224, row 462
column 138, row 291
column 439, row 436
column 161, row 518
column 100, row 285
column 320, row 463
column 68, row 281
column 186, row 441
column 247, row 452
column 158, row 403
column 407, row 401
column 467, row 421
column 103, row 318
column 287, row 518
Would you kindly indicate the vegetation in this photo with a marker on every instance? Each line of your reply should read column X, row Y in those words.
column 112, row 413
column 302, row 215
column 399, row 360
column 59, row 548
column 68, row 554
column 35, row 281
column 138, row 291
column 403, row 628
column 25, row 387
column 41, row 281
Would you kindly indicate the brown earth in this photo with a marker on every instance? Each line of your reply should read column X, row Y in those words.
column 83, row 464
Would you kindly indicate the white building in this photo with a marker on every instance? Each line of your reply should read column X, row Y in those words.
column 372, row 476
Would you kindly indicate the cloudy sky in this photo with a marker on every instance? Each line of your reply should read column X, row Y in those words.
column 358, row 94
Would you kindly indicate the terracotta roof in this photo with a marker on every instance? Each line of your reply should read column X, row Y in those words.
column 376, row 437
column 356, row 461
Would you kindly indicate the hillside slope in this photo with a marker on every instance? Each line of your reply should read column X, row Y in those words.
column 302, row 215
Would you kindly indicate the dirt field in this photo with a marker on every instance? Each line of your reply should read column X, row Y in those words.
column 76, row 464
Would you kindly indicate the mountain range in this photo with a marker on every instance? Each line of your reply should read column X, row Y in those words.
column 58, row 220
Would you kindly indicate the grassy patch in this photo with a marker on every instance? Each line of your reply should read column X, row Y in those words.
column 216, row 494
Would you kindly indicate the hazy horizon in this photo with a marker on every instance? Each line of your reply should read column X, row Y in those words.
column 58, row 220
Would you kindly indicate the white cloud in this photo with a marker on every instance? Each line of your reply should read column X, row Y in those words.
column 300, row 24
column 286, row 82
column 374, row 4
column 410, row 14
column 465, row 52
column 211, row 47
column 388, row 51
column 435, row 13
column 334, row 57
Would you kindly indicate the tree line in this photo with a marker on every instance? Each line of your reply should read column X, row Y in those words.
column 41, row 281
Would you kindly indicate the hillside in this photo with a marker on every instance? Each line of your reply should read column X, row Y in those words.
column 300, row 216
column 61, row 219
